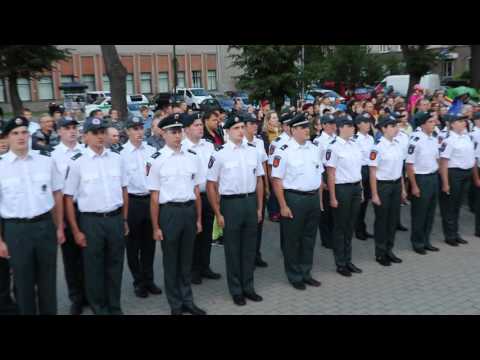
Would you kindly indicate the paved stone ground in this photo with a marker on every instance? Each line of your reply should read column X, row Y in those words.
column 447, row 282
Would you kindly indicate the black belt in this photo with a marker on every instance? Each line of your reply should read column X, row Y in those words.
column 179, row 204
column 459, row 169
column 35, row 219
column 298, row 192
column 108, row 214
column 238, row 196
column 431, row 174
column 389, row 181
column 134, row 196
column 349, row 184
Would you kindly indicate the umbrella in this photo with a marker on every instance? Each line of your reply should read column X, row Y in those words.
column 461, row 90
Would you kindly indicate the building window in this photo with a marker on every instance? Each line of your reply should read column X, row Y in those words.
column 212, row 80
column 163, row 82
column 106, row 83
column 2, row 90
column 89, row 80
column 180, row 79
column 129, row 84
column 23, row 86
column 447, row 68
column 467, row 63
column 45, row 88
column 65, row 79
column 196, row 79
column 146, row 83
column 383, row 48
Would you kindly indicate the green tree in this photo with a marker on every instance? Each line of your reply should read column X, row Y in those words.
column 27, row 61
column 419, row 59
column 269, row 71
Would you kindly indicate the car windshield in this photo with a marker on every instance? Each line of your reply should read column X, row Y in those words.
column 99, row 101
column 199, row 92
column 134, row 107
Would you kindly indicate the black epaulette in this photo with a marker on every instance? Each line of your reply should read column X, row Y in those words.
column 416, row 138
column 76, row 156
column 333, row 141
column 398, row 142
column 435, row 134
column 157, row 154
column 250, row 144
column 377, row 141
column 209, row 140
column 277, row 139
column 219, row 148
column 284, row 147
column 45, row 153
column 355, row 136
column 259, row 137
column 191, row 151
column 116, row 148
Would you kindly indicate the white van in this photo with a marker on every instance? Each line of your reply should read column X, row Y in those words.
column 400, row 83
column 193, row 97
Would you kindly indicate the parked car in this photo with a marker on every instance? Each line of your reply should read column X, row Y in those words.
column 239, row 94
column 225, row 102
column 193, row 96
column 92, row 96
column 105, row 104
column 208, row 104
column 161, row 99
column 400, row 83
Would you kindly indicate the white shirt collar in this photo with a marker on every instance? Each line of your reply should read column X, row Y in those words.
column 167, row 151
column 64, row 148
column 130, row 147
column 233, row 146
column 11, row 156
column 189, row 143
column 93, row 154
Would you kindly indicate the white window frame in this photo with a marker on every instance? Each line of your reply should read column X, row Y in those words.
column 212, row 80
column 130, row 84
column 181, row 80
column 146, row 83
column 25, row 85
column 45, row 84
column 106, row 82
column 162, row 81
column 197, row 84
column 91, row 84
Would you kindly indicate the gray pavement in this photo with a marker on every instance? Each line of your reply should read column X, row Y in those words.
column 447, row 282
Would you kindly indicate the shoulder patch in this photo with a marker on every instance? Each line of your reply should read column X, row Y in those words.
column 411, row 149
column 373, row 155
column 276, row 161
column 211, row 162
column 284, row 147
column 328, row 154
column 191, row 151
column 76, row 156
column 219, row 148
column 45, row 153
column 157, row 154
column 443, row 147
column 252, row 145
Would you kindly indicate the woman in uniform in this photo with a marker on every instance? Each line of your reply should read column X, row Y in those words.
column 388, row 188
column 343, row 160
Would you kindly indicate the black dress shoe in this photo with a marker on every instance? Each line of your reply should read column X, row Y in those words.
column 400, row 227
column 361, row 236
column 312, row 282
column 393, row 258
column 461, row 241
column 253, row 296
column 431, row 248
column 260, row 263
column 420, row 251
column 452, row 242
column 343, row 270
column 194, row 310
column 209, row 274
column 177, row 312
column 76, row 309
column 239, row 300
column 196, row 279
column 353, row 268
column 141, row 292
column 477, row 234
column 299, row 285
column 153, row 289
column 383, row 260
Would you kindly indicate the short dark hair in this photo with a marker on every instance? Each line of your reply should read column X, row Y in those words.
column 208, row 114
column 92, row 113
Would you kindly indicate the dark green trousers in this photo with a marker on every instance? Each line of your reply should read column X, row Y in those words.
column 450, row 204
column 300, row 234
column 179, row 230
column 386, row 216
column 349, row 197
column 203, row 242
column 423, row 210
column 5, row 284
column 33, row 257
column 240, row 234
column 103, row 262
column 476, row 206
column 360, row 225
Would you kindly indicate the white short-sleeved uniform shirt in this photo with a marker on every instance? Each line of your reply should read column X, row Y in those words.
column 278, row 142
column 366, row 143
column 346, row 157
column 96, row 180
column 387, row 156
column 174, row 174
column 27, row 185
column 135, row 160
column 322, row 142
column 459, row 150
column 260, row 146
column 235, row 168
column 204, row 150
column 475, row 135
column 403, row 139
column 423, row 153
column 62, row 156
column 299, row 166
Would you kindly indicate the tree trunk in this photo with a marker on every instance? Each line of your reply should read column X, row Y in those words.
column 15, row 101
column 279, row 101
column 475, row 66
column 117, row 74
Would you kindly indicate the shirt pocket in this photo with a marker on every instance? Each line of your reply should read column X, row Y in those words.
column 42, row 184
column 232, row 168
column 114, row 175
column 11, row 188
column 90, row 182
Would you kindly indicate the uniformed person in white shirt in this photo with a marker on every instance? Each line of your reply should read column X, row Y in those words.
column 235, row 191
column 475, row 181
column 343, row 160
column 251, row 127
column 30, row 188
column 457, row 159
column 176, row 210
column 194, row 131
column 365, row 141
column 422, row 171
column 72, row 253
column 140, row 246
column 297, row 176
column 98, row 179
column 325, row 221
column 388, row 189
